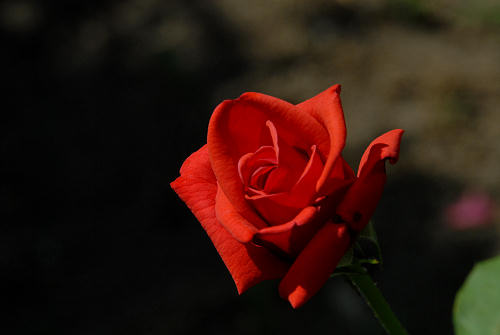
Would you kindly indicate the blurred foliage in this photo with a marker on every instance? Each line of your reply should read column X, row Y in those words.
column 477, row 305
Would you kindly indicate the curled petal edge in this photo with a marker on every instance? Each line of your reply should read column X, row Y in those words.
column 247, row 263
column 362, row 198
column 326, row 108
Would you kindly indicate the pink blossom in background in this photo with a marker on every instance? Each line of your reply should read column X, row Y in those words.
column 471, row 210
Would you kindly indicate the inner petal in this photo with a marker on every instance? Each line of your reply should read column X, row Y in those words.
column 279, row 207
column 291, row 164
column 274, row 168
column 259, row 177
column 274, row 137
column 248, row 164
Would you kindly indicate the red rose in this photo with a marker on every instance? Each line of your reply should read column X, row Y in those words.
column 274, row 194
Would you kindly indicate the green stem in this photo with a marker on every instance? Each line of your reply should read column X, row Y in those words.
column 374, row 298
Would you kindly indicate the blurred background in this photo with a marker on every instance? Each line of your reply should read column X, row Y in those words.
column 103, row 101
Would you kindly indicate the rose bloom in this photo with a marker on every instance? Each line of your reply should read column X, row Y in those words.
column 274, row 194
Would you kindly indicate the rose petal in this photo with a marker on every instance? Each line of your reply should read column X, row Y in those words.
column 341, row 173
column 247, row 264
column 265, row 156
column 279, row 208
column 315, row 263
column 259, row 178
column 274, row 135
column 326, row 108
column 362, row 198
column 238, row 127
column 235, row 224
column 290, row 238
column 386, row 146
column 291, row 163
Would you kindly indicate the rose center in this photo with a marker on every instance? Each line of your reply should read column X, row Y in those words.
column 272, row 168
column 279, row 179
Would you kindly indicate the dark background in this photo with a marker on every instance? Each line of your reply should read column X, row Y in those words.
column 103, row 102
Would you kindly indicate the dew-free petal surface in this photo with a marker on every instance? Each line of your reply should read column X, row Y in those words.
column 238, row 127
column 281, row 207
column 326, row 108
column 362, row 198
column 291, row 237
column 315, row 263
column 231, row 220
column 197, row 187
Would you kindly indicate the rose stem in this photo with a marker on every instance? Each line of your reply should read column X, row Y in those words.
column 374, row 298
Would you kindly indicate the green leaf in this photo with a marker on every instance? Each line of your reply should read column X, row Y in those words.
column 369, row 232
column 370, row 235
column 348, row 270
column 346, row 259
column 477, row 305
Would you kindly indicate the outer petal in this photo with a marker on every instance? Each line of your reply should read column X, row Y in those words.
column 315, row 263
column 327, row 109
column 363, row 196
column 197, row 187
column 231, row 220
column 238, row 127
column 341, row 173
column 290, row 238
column 386, row 146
